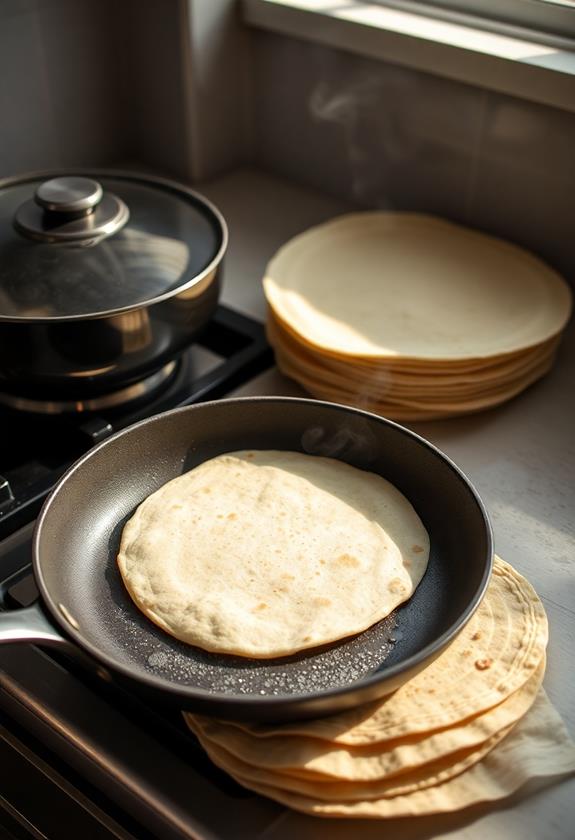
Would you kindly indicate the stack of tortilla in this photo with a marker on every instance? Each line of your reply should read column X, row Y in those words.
column 474, row 726
column 411, row 316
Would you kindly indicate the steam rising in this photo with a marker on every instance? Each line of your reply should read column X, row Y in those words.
column 365, row 109
column 343, row 443
column 344, row 108
column 379, row 130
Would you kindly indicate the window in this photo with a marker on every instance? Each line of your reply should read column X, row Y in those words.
column 552, row 17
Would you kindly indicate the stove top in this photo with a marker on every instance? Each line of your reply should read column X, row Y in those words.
column 35, row 450
column 83, row 757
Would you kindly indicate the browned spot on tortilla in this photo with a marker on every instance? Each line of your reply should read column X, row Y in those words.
column 306, row 638
column 347, row 560
column 476, row 636
column 322, row 602
column 288, row 577
column 250, row 455
column 260, row 607
column 396, row 586
column 482, row 664
column 232, row 516
column 207, row 489
column 322, row 562
column 417, row 549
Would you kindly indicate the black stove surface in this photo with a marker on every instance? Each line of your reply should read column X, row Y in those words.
column 79, row 755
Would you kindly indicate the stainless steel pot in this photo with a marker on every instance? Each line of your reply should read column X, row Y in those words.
column 104, row 279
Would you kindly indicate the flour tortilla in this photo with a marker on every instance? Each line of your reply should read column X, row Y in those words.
column 384, row 389
column 420, row 778
column 508, row 632
column 537, row 747
column 398, row 764
column 404, row 364
column 381, row 285
column 306, row 765
column 410, row 369
column 265, row 553
column 401, row 409
column 385, row 378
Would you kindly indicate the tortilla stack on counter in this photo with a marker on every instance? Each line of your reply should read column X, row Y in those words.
column 473, row 727
column 411, row 316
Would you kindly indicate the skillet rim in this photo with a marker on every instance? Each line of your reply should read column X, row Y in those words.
column 254, row 701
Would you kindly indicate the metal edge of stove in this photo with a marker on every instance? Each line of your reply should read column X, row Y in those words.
column 165, row 794
column 15, row 815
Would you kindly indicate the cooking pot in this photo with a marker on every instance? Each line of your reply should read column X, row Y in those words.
column 85, row 609
column 104, row 279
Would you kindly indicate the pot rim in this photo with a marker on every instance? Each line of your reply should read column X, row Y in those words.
column 132, row 175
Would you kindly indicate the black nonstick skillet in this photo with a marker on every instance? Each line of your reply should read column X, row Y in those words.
column 85, row 609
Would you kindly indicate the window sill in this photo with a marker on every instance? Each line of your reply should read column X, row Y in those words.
column 508, row 64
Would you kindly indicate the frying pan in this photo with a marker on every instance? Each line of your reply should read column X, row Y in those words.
column 85, row 609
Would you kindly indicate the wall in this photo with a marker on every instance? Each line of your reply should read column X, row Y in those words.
column 86, row 83
column 390, row 137
column 144, row 83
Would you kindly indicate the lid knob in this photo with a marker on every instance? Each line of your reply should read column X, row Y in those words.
column 71, row 208
column 70, row 195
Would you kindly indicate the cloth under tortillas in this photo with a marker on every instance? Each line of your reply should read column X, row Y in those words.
column 267, row 553
column 463, row 731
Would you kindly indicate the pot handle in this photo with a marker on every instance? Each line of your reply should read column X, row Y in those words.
column 29, row 624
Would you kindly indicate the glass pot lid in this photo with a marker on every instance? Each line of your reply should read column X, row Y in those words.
column 74, row 246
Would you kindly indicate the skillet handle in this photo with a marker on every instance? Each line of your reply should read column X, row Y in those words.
column 29, row 624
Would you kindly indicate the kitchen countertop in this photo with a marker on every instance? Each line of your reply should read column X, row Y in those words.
column 521, row 458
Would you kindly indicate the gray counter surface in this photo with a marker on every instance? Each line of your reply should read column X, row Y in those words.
column 521, row 458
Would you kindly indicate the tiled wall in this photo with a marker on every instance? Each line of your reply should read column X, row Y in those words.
column 390, row 137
